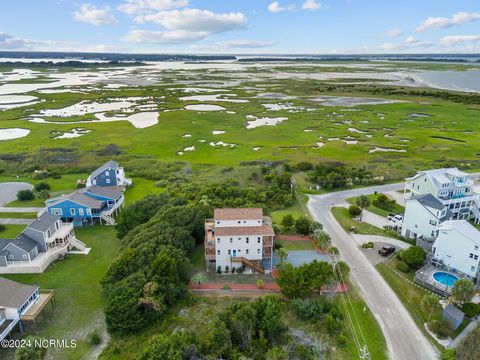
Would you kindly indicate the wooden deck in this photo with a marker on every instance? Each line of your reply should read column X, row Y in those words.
column 46, row 296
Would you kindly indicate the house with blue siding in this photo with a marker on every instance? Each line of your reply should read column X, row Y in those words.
column 90, row 205
column 109, row 174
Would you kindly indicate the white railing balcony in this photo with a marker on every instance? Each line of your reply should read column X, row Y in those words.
column 9, row 328
column 63, row 233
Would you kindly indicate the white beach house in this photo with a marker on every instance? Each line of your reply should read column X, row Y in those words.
column 239, row 238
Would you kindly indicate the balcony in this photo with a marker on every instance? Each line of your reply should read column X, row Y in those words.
column 7, row 326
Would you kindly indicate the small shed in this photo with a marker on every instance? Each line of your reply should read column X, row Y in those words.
column 453, row 315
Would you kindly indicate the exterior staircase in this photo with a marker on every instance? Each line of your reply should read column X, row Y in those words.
column 250, row 264
column 77, row 244
column 109, row 220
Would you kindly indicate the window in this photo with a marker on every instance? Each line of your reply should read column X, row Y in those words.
column 49, row 233
column 56, row 225
column 433, row 222
column 107, row 173
column 11, row 257
column 108, row 181
column 258, row 240
column 72, row 211
column 246, row 251
column 258, row 251
column 218, row 222
column 89, row 212
column 475, row 257
column 218, row 252
column 472, row 268
column 229, row 252
column 25, row 257
column 239, row 221
column 471, row 256
column 239, row 250
column 80, row 211
column 231, row 240
column 218, row 241
column 475, row 248
column 57, row 211
column 247, row 240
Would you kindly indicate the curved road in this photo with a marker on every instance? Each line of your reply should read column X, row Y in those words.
column 8, row 191
column 403, row 337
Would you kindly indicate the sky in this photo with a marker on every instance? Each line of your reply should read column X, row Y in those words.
column 242, row 26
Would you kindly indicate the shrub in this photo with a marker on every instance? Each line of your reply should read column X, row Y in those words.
column 31, row 352
column 471, row 310
column 41, row 186
column 227, row 269
column 448, row 354
column 441, row 327
column 368, row 245
column 260, row 284
column 219, row 270
column 414, row 256
column 95, row 338
column 227, row 287
column 402, row 266
column 288, row 221
column 2, row 227
column 354, row 211
column 302, row 225
column 25, row 195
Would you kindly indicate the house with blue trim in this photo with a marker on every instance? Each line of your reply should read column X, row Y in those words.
column 90, row 205
column 109, row 174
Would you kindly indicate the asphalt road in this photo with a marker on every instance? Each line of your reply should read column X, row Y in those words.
column 8, row 191
column 403, row 337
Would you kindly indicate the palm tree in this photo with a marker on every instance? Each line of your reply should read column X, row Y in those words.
column 430, row 305
column 463, row 291
column 362, row 202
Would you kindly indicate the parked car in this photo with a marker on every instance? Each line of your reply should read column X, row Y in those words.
column 386, row 250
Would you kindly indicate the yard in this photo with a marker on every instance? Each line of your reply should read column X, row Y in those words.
column 398, row 209
column 141, row 188
column 410, row 294
column 292, row 245
column 78, row 293
column 345, row 220
column 11, row 231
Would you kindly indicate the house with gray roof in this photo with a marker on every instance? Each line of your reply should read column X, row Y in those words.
column 423, row 215
column 452, row 187
column 43, row 241
column 15, row 300
column 109, row 174
column 90, row 205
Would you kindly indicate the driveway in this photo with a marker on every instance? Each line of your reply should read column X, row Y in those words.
column 374, row 219
column 404, row 339
column 8, row 191
column 361, row 239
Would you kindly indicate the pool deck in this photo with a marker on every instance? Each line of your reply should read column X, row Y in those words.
column 424, row 277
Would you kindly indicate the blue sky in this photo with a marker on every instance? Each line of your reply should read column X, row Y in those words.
column 242, row 26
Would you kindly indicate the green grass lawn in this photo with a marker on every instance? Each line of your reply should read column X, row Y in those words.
column 410, row 295
column 67, row 182
column 292, row 245
column 296, row 210
column 27, row 203
column 11, row 231
column 140, row 189
column 18, row 215
column 399, row 209
column 344, row 219
column 197, row 258
column 78, row 293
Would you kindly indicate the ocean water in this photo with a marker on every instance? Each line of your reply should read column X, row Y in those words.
column 452, row 80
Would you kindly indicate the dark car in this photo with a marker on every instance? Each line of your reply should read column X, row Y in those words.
column 386, row 250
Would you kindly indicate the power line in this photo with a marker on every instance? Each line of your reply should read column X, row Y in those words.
column 362, row 350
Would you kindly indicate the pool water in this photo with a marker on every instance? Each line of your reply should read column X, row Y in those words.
column 441, row 277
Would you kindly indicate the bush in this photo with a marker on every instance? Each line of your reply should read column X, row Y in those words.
column 260, row 284
column 448, row 354
column 219, row 270
column 31, row 352
column 302, row 226
column 95, row 338
column 25, row 195
column 354, row 211
column 414, row 256
column 471, row 310
column 41, row 186
column 2, row 227
column 368, row 245
column 441, row 327
column 402, row 266
column 288, row 221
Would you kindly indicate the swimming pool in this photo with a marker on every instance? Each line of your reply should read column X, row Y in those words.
column 441, row 277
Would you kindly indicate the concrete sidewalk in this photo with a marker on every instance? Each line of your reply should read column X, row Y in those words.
column 21, row 209
column 16, row 221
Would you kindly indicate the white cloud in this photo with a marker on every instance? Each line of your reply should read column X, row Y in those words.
column 132, row 7
column 459, row 18
column 311, row 5
column 275, row 7
column 95, row 15
column 395, row 33
column 164, row 37
column 409, row 43
column 454, row 40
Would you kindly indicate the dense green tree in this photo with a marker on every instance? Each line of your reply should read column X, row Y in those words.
column 288, row 221
column 322, row 238
column 430, row 304
column 25, row 195
column 342, row 272
column 175, row 346
column 41, row 186
column 302, row 225
column 414, row 256
column 318, row 273
column 292, row 282
column 354, row 211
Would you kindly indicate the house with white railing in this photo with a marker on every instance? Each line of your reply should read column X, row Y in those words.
column 452, row 187
column 240, row 238
column 15, row 300
column 45, row 240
